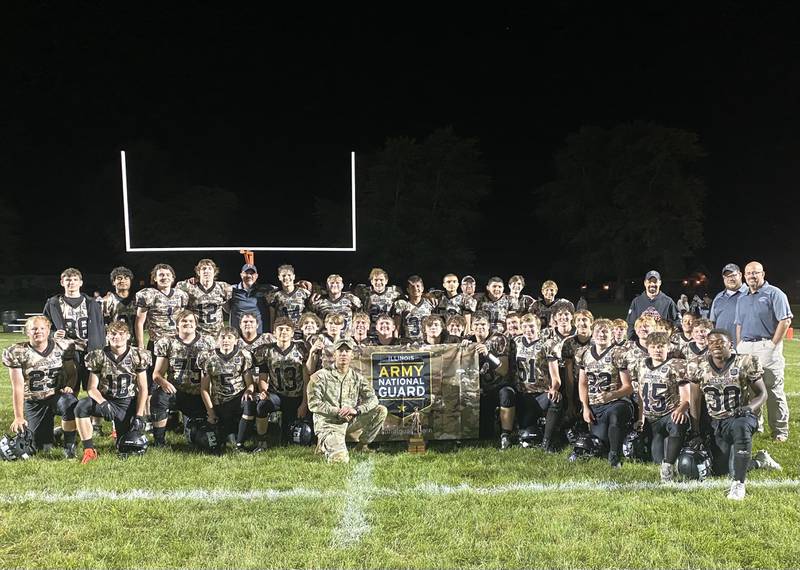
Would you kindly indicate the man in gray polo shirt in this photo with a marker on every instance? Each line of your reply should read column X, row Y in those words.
column 723, row 309
column 762, row 318
column 652, row 301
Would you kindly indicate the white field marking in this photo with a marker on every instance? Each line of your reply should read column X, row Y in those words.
column 366, row 491
column 126, row 213
column 353, row 523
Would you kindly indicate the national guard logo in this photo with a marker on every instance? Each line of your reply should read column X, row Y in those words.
column 402, row 381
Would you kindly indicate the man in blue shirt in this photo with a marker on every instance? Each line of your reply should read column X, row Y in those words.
column 249, row 297
column 762, row 318
column 652, row 301
column 723, row 308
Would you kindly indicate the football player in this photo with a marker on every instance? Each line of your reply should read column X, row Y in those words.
column 544, row 306
column 42, row 386
column 177, row 374
column 519, row 303
column 448, row 301
column 119, row 304
column 433, row 331
column 570, row 353
column 724, row 379
column 249, row 339
column 361, row 325
column 635, row 349
column 157, row 306
column 336, row 301
column 227, row 388
column 561, row 314
column 495, row 303
column 117, row 388
column 664, row 395
column 410, row 312
column 288, row 301
column 534, row 372
column 496, row 388
column 698, row 346
column 468, row 300
column 309, row 325
column 684, row 336
column 620, row 332
column 379, row 298
column 320, row 353
column 385, row 332
column 207, row 297
column 456, row 325
column 282, row 379
column 604, row 386
column 512, row 328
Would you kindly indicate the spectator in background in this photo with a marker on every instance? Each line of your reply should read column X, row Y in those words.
column 683, row 304
column 653, row 302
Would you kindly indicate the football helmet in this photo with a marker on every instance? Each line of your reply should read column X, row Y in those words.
column 17, row 446
column 586, row 446
column 532, row 436
column 204, row 436
column 694, row 460
column 636, row 446
column 132, row 443
column 301, row 432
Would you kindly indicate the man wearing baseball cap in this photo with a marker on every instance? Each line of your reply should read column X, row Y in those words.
column 723, row 308
column 249, row 297
column 652, row 300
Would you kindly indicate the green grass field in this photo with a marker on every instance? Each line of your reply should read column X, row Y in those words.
column 474, row 507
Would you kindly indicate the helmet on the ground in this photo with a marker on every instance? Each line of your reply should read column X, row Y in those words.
column 204, row 436
column 585, row 446
column 636, row 446
column 530, row 436
column 17, row 446
column 132, row 443
column 301, row 432
column 694, row 460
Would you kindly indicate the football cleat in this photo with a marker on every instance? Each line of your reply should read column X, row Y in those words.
column 614, row 460
column 69, row 451
column 58, row 435
column 765, row 461
column 737, row 491
column 667, row 472
column 505, row 441
column 113, row 434
column 240, row 448
column 88, row 455
column 548, row 447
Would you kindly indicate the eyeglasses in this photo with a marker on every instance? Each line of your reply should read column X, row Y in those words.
column 752, row 273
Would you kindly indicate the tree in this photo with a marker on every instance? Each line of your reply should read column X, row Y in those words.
column 626, row 198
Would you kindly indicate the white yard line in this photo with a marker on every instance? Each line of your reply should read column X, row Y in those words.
column 360, row 489
column 353, row 523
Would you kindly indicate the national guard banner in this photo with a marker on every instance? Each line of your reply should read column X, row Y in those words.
column 438, row 381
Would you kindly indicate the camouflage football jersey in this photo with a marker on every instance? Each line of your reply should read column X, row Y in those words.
column 521, row 304
column 635, row 352
column 284, row 367
column 497, row 309
column 498, row 345
column 117, row 374
column 377, row 304
column 679, row 341
column 446, row 306
column 725, row 390
column 543, row 310
column 116, row 308
column 183, row 371
column 76, row 321
column 43, row 372
column 572, row 348
column 207, row 304
column 659, row 385
column 411, row 316
column 530, row 363
column 345, row 305
column 226, row 373
column 161, row 309
column 325, row 358
column 602, row 371
column 291, row 305
column 252, row 345
column 693, row 352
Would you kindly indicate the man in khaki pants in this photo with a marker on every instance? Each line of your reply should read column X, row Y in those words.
column 343, row 401
column 762, row 318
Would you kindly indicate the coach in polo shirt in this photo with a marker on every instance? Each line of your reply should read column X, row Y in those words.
column 250, row 297
column 723, row 309
column 762, row 318
column 652, row 300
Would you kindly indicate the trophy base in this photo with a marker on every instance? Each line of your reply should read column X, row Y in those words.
column 416, row 445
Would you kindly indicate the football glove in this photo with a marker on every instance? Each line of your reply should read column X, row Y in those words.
column 105, row 410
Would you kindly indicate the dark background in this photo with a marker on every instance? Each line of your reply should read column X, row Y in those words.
column 267, row 105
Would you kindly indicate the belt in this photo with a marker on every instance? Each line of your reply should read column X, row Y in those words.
column 756, row 339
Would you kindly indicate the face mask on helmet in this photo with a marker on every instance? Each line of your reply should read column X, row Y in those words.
column 301, row 432
column 132, row 443
column 19, row 446
column 694, row 463
column 636, row 446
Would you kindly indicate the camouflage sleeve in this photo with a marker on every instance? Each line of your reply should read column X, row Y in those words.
column 227, row 291
column 183, row 286
column 554, row 349
column 248, row 361
column 398, row 307
column 316, row 396
column 754, row 370
column 142, row 359
column 568, row 349
column 580, row 362
column 162, row 347
column 94, row 361
column 355, row 301
column 68, row 346
column 143, row 299
column 12, row 356
column 366, row 395
column 620, row 359
column 202, row 360
column 693, row 373
column 679, row 369
column 184, row 299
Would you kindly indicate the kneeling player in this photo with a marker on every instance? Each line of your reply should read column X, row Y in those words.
column 664, row 393
column 605, row 387
column 177, row 375
column 39, row 387
column 534, row 368
column 117, row 387
column 724, row 378
column 227, row 387
column 282, row 380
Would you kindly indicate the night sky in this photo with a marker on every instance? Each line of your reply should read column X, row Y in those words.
column 268, row 104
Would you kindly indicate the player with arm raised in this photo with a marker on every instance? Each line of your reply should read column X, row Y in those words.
column 207, row 297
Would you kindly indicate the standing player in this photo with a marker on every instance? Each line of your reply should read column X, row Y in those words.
column 604, row 387
column 725, row 378
column 544, row 306
column 290, row 300
column 379, row 298
column 664, row 395
column 40, row 388
column 309, row 325
column 519, row 303
column 513, row 326
column 117, row 388
column 684, row 336
column 570, row 353
column 282, row 380
column 410, row 312
column 249, row 339
column 158, row 305
column 320, row 353
column 119, row 304
column 207, row 297
column 698, row 347
column 495, row 303
column 336, row 301
column 177, row 374
column 227, row 388
column 620, row 332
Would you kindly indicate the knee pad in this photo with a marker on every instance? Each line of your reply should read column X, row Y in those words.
column 66, row 406
column 507, row 397
column 249, row 407
column 159, row 404
column 266, row 407
column 83, row 409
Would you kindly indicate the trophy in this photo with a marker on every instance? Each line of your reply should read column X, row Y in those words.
column 416, row 444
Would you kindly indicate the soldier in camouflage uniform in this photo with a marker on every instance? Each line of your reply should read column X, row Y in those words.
column 177, row 374
column 119, row 304
column 664, row 395
column 208, row 298
column 343, row 401
column 40, row 388
column 290, row 300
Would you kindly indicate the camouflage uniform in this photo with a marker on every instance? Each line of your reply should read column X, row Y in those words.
column 330, row 390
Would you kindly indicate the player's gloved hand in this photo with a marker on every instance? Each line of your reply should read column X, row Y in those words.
column 105, row 410
column 137, row 424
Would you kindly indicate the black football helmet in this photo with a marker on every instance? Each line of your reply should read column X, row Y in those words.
column 301, row 432
column 530, row 437
column 586, row 446
column 694, row 460
column 636, row 446
column 132, row 443
column 17, row 446
column 204, row 436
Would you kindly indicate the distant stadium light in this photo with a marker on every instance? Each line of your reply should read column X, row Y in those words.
column 606, row 287
column 584, row 286
column 238, row 248
column 685, row 282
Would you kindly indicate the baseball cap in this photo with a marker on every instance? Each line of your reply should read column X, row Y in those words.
column 652, row 273
column 468, row 279
column 346, row 341
column 732, row 267
column 249, row 267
